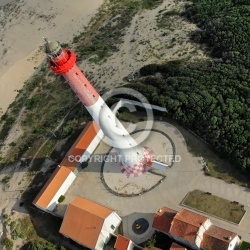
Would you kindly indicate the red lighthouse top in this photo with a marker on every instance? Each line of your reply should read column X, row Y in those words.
column 61, row 60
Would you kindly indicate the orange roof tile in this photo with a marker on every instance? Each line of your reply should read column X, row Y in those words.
column 163, row 219
column 191, row 217
column 186, row 224
column 184, row 230
column 80, row 145
column 217, row 238
column 175, row 246
column 51, row 187
column 83, row 221
column 121, row 243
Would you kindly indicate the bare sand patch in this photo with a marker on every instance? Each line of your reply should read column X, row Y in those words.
column 145, row 43
column 23, row 24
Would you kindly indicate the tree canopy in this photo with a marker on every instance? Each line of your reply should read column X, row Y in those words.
column 210, row 97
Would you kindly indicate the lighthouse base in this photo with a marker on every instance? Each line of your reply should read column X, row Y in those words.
column 141, row 167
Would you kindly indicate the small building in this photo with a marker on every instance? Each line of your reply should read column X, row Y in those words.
column 57, row 185
column 190, row 226
column 219, row 238
column 89, row 224
column 163, row 219
column 123, row 243
column 65, row 173
column 83, row 147
column 193, row 229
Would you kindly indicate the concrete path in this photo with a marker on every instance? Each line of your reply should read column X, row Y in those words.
column 186, row 175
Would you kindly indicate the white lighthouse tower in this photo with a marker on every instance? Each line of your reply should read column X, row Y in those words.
column 135, row 160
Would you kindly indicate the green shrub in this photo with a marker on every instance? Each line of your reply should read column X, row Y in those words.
column 151, row 242
column 6, row 219
column 16, row 231
column 8, row 244
column 61, row 199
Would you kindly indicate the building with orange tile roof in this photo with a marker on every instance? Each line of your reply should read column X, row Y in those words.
column 57, row 185
column 175, row 246
column 219, row 238
column 123, row 243
column 88, row 223
column 190, row 226
column 83, row 147
column 66, row 172
column 184, row 230
column 163, row 219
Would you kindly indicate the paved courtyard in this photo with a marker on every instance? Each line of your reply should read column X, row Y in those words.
column 120, row 184
column 184, row 176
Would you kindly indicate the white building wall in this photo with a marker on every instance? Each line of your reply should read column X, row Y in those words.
column 201, row 231
column 130, row 245
column 234, row 243
column 106, row 231
column 159, row 165
column 61, row 191
column 92, row 146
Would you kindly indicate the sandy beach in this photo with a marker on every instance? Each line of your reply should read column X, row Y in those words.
column 23, row 24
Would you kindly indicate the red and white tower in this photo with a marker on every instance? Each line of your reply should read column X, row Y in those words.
column 135, row 160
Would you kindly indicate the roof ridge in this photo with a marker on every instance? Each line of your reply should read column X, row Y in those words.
column 98, row 203
column 186, row 222
column 89, row 212
column 215, row 235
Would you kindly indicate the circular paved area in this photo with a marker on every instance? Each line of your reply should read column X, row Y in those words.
column 119, row 184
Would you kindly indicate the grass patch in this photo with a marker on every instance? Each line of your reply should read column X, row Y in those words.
column 100, row 41
column 8, row 244
column 215, row 206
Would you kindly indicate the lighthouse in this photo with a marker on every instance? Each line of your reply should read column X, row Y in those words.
column 134, row 159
